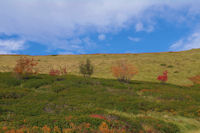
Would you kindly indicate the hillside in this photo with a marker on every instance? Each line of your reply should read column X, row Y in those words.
column 180, row 65
column 44, row 103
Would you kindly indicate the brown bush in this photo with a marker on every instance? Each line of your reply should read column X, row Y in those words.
column 57, row 72
column 25, row 66
column 195, row 79
column 123, row 71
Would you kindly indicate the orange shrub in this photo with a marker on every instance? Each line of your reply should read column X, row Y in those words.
column 123, row 71
column 25, row 66
column 195, row 79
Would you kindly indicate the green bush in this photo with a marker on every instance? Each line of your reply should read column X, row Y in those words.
column 11, row 94
column 36, row 83
column 58, row 88
column 6, row 79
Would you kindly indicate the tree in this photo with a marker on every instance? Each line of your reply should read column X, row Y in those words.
column 123, row 71
column 25, row 66
column 86, row 69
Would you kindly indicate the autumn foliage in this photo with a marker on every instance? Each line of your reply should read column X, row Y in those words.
column 57, row 72
column 164, row 77
column 26, row 66
column 123, row 71
column 195, row 79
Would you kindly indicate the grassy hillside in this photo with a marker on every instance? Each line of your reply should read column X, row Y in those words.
column 75, row 104
column 180, row 65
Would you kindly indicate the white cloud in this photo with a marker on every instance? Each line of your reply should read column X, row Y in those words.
column 190, row 42
column 134, row 39
column 51, row 22
column 101, row 37
column 139, row 27
column 11, row 46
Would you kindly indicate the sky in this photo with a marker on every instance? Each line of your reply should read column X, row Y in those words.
column 50, row 27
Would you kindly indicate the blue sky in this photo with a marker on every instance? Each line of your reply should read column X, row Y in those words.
column 36, row 27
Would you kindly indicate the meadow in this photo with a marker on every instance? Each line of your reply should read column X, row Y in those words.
column 180, row 65
column 101, row 104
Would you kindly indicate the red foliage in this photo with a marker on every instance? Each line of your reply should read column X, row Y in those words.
column 56, row 72
column 26, row 66
column 195, row 79
column 98, row 116
column 164, row 77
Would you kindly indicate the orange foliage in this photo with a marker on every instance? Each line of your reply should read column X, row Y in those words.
column 195, row 79
column 83, row 127
column 57, row 130
column 103, row 128
column 46, row 129
column 123, row 71
column 25, row 66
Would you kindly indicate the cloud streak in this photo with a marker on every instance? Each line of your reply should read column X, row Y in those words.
column 190, row 42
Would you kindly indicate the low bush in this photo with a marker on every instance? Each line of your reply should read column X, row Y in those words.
column 36, row 83
column 163, row 78
column 6, row 80
column 58, row 88
column 56, row 72
column 11, row 94
column 195, row 79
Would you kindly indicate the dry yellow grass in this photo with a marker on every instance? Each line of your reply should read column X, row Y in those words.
column 180, row 65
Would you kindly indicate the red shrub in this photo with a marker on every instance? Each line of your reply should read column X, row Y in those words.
column 123, row 71
column 98, row 116
column 164, row 77
column 56, row 72
column 26, row 66
column 195, row 79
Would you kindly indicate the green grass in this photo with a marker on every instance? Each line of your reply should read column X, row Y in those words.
column 180, row 65
column 137, row 106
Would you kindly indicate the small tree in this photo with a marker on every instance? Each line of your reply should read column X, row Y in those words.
column 123, row 71
column 86, row 69
column 25, row 66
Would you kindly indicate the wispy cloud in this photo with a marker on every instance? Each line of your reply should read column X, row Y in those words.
column 134, row 39
column 11, row 46
column 190, row 42
column 102, row 37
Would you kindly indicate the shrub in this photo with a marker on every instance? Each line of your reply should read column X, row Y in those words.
column 36, row 83
column 6, row 80
column 25, row 66
column 123, row 71
column 56, row 72
column 195, row 79
column 164, row 77
column 86, row 69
